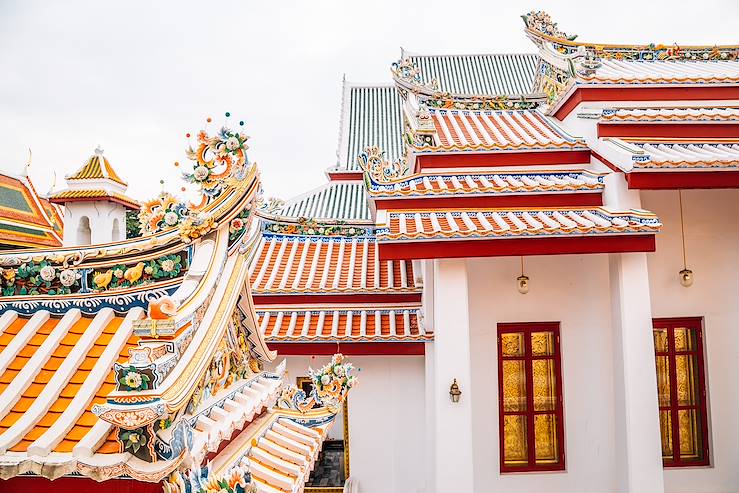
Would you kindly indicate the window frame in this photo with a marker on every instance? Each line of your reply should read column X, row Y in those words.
column 527, row 328
column 695, row 323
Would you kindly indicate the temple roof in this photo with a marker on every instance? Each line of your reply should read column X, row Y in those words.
column 371, row 115
column 430, row 224
column 335, row 200
column 26, row 220
column 345, row 323
column 688, row 114
column 65, row 196
column 485, row 74
column 611, row 71
column 96, row 167
column 476, row 183
column 665, row 155
column 514, row 129
column 319, row 265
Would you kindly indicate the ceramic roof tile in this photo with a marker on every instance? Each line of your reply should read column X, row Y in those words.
column 504, row 223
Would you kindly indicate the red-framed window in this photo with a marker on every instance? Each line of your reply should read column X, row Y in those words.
column 681, row 390
column 530, row 397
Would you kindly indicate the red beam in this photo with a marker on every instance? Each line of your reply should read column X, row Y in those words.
column 351, row 176
column 669, row 130
column 673, row 180
column 349, row 348
column 626, row 93
column 22, row 484
column 524, row 200
column 516, row 246
column 493, row 158
column 291, row 299
column 606, row 162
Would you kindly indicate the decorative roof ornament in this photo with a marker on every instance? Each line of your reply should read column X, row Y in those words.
column 408, row 74
column 330, row 385
column 161, row 213
column 424, row 122
column 541, row 22
column 216, row 159
column 373, row 162
column 589, row 64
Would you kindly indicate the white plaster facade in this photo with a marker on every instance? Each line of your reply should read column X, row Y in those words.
column 94, row 222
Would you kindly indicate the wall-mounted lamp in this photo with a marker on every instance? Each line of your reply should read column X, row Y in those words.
column 454, row 391
column 686, row 275
column 522, row 281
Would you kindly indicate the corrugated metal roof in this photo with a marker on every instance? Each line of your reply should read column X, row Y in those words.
column 339, row 200
column 374, row 119
column 489, row 75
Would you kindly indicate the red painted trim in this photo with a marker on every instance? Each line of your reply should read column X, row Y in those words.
column 349, row 348
column 529, row 412
column 705, row 130
column 658, row 93
column 22, row 484
column 529, row 199
column 494, row 158
column 673, row 180
column 293, row 299
column 462, row 248
column 695, row 324
column 345, row 176
column 606, row 162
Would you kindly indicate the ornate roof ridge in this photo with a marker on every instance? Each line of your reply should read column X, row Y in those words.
column 540, row 28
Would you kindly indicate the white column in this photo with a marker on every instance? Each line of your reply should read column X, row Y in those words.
column 638, row 447
column 452, row 422
column 429, row 403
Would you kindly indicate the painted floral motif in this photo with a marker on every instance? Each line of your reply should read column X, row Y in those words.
column 310, row 227
column 216, row 158
column 35, row 278
column 133, row 439
column 163, row 212
column 131, row 379
column 122, row 276
column 238, row 224
column 195, row 226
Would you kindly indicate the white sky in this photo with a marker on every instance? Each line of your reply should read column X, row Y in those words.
column 135, row 76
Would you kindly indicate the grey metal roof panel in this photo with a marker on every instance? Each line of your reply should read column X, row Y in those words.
column 374, row 119
column 489, row 75
column 337, row 200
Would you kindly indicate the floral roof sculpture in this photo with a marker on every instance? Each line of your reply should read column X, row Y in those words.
column 147, row 351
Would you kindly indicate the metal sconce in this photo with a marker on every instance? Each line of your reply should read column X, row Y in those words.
column 522, row 281
column 454, row 391
column 686, row 275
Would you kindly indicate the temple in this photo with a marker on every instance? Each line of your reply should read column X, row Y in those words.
column 528, row 257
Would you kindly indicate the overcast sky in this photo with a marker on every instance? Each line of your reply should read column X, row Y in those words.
column 135, row 76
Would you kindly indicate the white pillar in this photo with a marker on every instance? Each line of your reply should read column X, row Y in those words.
column 452, row 422
column 429, row 403
column 638, row 445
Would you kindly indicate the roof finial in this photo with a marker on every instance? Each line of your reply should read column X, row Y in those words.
column 28, row 163
column 99, row 150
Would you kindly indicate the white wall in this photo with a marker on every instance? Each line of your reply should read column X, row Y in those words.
column 712, row 243
column 386, row 420
column 101, row 214
column 573, row 290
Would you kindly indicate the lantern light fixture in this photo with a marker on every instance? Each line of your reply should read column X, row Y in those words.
column 454, row 391
column 522, row 281
column 686, row 275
